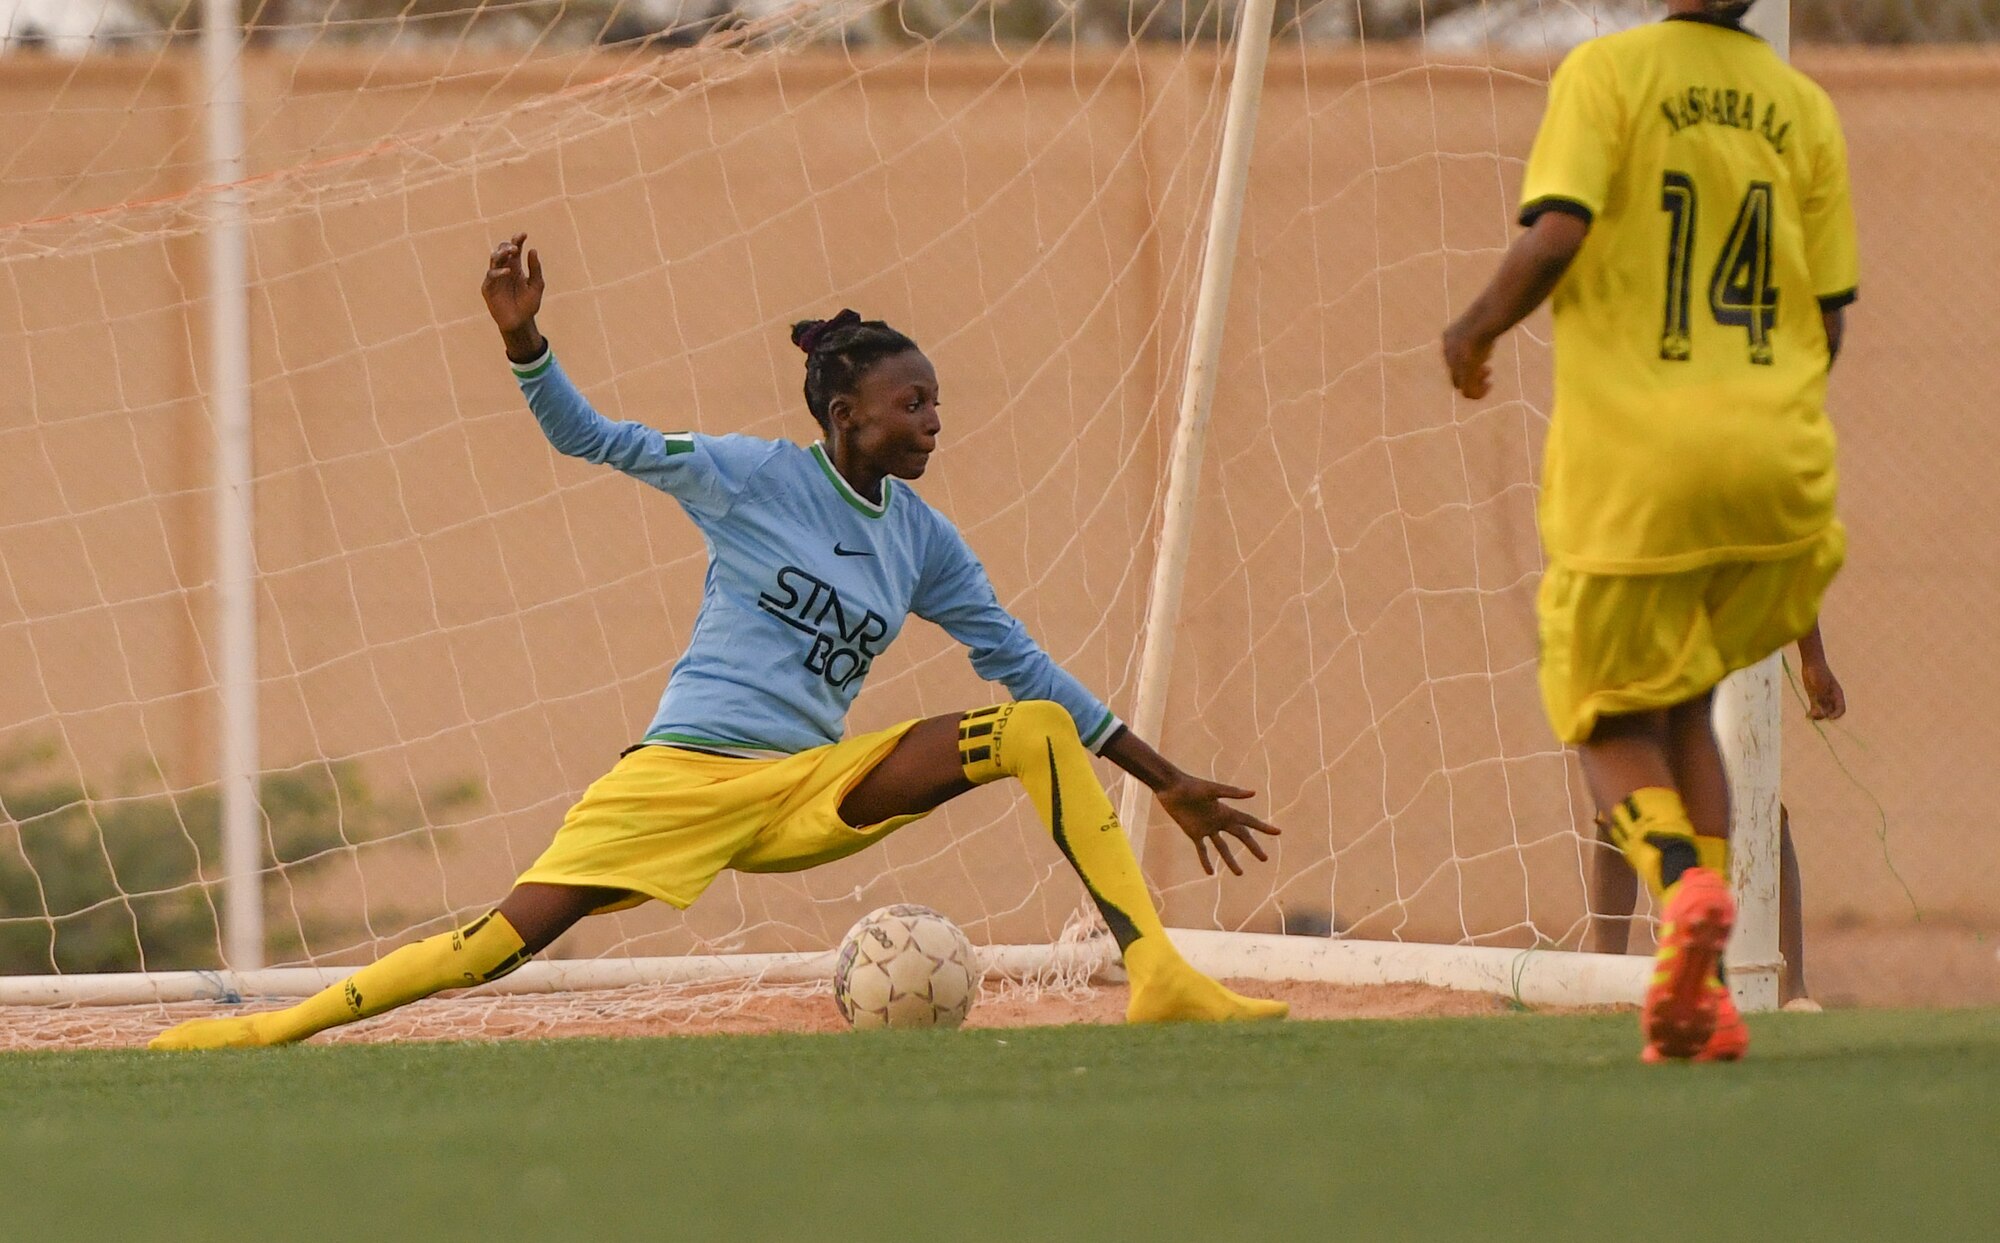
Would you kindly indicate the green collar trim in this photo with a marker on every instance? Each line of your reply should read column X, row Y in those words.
column 867, row 507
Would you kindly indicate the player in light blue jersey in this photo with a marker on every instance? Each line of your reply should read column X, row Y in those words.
column 816, row 558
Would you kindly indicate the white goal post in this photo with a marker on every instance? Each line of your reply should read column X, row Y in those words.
column 1747, row 709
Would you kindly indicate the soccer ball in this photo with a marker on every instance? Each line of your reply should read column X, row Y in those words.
column 905, row 966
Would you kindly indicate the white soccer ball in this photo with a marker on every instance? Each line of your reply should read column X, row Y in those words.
column 905, row 966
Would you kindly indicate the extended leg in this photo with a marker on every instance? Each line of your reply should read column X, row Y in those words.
column 1036, row 742
column 482, row 951
column 1614, row 895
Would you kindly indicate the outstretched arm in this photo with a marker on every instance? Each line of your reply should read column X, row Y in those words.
column 1527, row 276
column 704, row 473
column 1195, row 803
column 956, row 594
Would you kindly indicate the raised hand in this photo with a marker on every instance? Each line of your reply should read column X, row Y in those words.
column 513, row 292
column 1196, row 805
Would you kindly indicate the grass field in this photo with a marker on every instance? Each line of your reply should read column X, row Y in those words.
column 1856, row 1125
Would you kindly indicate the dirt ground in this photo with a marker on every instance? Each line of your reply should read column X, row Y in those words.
column 652, row 1011
column 1848, row 967
column 1922, row 965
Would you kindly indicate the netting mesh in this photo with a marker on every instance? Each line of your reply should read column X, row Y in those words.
column 459, row 630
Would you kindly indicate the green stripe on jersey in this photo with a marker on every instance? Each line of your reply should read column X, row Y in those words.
column 846, row 490
column 529, row 370
column 1097, row 735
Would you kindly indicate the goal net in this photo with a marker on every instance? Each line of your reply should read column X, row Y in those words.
column 456, row 630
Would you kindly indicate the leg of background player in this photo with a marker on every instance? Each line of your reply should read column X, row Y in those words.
column 1696, row 759
column 1791, row 916
column 1626, row 753
column 1629, row 762
column 1614, row 895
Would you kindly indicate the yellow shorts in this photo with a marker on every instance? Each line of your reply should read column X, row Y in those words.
column 1616, row 643
column 664, row 821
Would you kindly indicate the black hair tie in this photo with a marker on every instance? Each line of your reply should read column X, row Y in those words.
column 809, row 339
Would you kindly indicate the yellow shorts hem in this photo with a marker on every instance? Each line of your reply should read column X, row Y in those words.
column 644, row 888
column 1613, row 644
column 666, row 821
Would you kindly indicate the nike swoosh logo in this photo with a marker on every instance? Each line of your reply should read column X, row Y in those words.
column 838, row 551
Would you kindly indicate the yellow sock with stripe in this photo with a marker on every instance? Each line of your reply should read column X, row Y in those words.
column 1712, row 853
column 483, row 950
column 1036, row 742
column 1651, row 828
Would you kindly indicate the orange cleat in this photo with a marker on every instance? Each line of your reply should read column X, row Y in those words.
column 1682, row 1010
column 1727, row 1043
column 1731, row 1039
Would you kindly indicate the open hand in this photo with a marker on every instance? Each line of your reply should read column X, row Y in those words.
column 1196, row 805
column 513, row 292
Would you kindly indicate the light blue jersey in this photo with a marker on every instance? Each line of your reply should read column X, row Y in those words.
column 808, row 582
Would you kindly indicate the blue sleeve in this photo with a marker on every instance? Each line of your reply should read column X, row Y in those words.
column 955, row 593
column 704, row 473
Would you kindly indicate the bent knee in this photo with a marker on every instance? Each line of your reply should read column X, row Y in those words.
column 1045, row 718
column 994, row 742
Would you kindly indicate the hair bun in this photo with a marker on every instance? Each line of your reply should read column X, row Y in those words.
column 808, row 333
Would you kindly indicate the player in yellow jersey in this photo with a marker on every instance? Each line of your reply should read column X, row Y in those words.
column 1686, row 205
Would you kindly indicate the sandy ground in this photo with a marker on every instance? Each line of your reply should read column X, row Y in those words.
column 1924, row 966
column 646, row 1011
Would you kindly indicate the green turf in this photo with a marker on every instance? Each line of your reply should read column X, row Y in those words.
column 1859, row 1125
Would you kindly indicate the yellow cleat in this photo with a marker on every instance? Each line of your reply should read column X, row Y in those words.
column 234, row 1033
column 1188, row 996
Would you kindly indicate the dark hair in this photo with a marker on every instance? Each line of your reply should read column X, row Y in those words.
column 839, row 351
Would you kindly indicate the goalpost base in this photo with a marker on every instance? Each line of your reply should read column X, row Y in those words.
column 558, row 975
column 1533, row 977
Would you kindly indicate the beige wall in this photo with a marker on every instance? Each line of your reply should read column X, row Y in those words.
column 443, row 597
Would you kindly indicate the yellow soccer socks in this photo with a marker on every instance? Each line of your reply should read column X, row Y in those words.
column 1652, row 829
column 483, row 950
column 1036, row 742
column 1712, row 853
